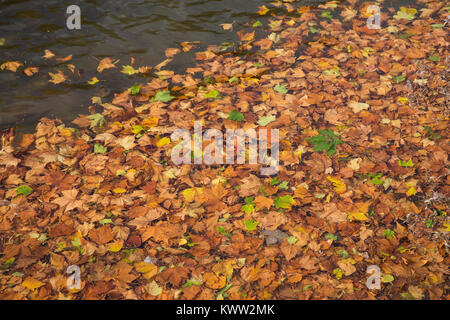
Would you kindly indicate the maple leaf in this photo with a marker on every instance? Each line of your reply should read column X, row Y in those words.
column 102, row 234
column 106, row 63
column 31, row 70
column 68, row 200
column 58, row 77
column 11, row 65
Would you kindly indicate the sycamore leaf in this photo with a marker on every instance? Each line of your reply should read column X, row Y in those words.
column 213, row 94
column 360, row 212
column 280, row 89
column 162, row 142
column 263, row 10
column 11, row 65
column 164, row 96
column 93, row 81
column 403, row 163
column 405, row 13
column 190, row 193
column 339, row 186
column 97, row 120
column 358, row 106
column 251, row 224
column 31, row 283
column 129, row 70
column 48, row 54
column 58, row 77
column 24, row 189
column 106, row 63
column 284, row 202
column 235, row 115
column 99, row 149
column 264, row 121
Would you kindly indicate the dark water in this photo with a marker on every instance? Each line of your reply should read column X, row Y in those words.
column 143, row 29
column 110, row 28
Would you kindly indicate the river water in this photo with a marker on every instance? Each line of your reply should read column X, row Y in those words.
column 143, row 29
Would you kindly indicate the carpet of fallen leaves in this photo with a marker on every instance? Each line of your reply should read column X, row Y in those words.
column 370, row 188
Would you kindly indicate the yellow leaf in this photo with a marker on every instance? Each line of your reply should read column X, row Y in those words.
column 360, row 213
column 149, row 270
column 11, row 65
column 129, row 70
column 150, row 122
column 190, row 193
column 263, row 10
column 119, row 190
column 182, row 242
column 411, row 192
column 116, row 246
column 93, row 81
column 402, row 100
column 163, row 142
column 339, row 186
column 31, row 283
column 58, row 77
column 447, row 226
column 65, row 132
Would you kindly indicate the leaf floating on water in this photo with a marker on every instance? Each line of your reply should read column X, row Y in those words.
column 58, row 77
column 129, row 70
column 48, row 54
column 31, row 71
column 107, row 63
column 11, row 65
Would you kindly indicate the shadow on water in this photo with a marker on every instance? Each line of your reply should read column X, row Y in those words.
column 143, row 29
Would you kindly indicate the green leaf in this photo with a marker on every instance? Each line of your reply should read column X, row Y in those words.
column 235, row 115
column 233, row 79
column 284, row 185
column 264, row 121
column 291, row 240
column 326, row 140
column 222, row 231
column 99, row 149
column 280, row 89
column 434, row 58
column 399, row 78
column 326, row 14
column 248, row 208
column 387, row 278
column 257, row 24
column 135, row 89
column 97, row 120
column 129, row 70
column 284, row 202
column 403, row 163
column 24, row 189
column 105, row 221
column 213, row 94
column 389, row 234
column 338, row 273
column 344, row 254
column 249, row 200
column 313, row 30
column 330, row 236
column 251, row 224
column 164, row 96
column 136, row 129
column 332, row 72
column 437, row 25
column 274, row 181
